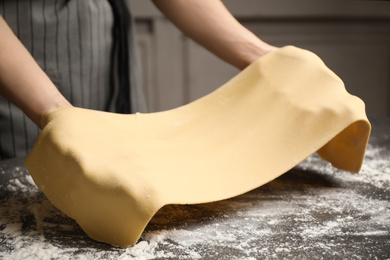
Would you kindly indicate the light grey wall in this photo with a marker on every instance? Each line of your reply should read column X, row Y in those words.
column 352, row 37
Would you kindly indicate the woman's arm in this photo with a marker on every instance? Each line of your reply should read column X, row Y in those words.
column 22, row 81
column 209, row 23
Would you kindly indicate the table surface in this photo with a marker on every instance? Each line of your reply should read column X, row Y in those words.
column 314, row 211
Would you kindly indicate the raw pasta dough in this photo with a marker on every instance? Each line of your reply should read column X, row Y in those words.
column 113, row 172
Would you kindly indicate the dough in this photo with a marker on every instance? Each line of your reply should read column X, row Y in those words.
column 113, row 172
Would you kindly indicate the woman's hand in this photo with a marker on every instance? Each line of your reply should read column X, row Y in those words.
column 22, row 81
column 209, row 23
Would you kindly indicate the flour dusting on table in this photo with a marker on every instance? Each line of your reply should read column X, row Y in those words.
column 313, row 209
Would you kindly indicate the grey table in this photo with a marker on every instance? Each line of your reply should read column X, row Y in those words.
column 313, row 211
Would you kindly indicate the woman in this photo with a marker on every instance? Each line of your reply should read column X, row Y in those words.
column 80, row 53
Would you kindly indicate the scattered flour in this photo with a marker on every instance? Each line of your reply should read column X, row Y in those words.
column 375, row 169
column 271, row 222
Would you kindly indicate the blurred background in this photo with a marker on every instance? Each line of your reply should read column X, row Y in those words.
column 352, row 37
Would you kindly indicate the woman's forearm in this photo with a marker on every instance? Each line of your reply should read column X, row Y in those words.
column 22, row 81
column 209, row 23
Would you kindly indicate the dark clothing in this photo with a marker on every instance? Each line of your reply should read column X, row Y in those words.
column 73, row 42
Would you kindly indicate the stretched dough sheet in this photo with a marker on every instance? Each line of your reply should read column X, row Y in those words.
column 113, row 172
